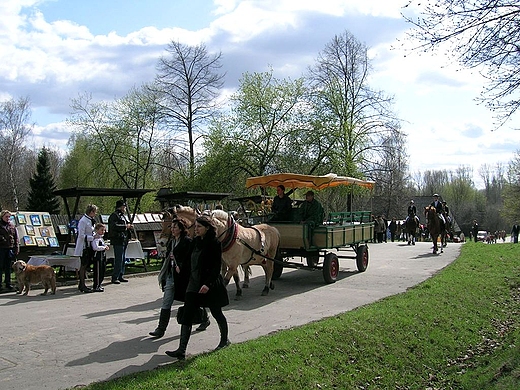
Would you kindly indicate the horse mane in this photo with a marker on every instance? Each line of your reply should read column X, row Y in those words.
column 220, row 215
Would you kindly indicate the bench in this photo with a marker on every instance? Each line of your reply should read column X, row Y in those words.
column 342, row 217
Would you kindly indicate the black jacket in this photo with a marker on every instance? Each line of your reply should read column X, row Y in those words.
column 210, row 260
column 117, row 231
column 9, row 237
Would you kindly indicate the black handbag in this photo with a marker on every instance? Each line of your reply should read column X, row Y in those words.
column 199, row 317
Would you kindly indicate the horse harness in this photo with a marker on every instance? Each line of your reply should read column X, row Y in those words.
column 231, row 236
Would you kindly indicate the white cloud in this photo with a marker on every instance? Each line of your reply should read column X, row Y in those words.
column 54, row 61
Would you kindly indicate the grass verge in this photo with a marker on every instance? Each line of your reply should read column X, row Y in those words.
column 457, row 330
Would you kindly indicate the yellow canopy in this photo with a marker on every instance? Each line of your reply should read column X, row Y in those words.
column 295, row 180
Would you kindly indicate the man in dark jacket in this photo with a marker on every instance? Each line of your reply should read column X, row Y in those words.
column 282, row 205
column 119, row 233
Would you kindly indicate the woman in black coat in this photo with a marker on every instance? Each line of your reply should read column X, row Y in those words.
column 174, row 274
column 205, row 287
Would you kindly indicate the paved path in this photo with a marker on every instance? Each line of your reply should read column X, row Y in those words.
column 71, row 339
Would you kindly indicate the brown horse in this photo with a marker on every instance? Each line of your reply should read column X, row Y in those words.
column 247, row 246
column 189, row 214
column 436, row 227
column 410, row 228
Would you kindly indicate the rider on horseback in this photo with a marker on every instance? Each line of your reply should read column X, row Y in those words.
column 437, row 204
column 412, row 212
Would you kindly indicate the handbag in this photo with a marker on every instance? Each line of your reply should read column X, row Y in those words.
column 199, row 317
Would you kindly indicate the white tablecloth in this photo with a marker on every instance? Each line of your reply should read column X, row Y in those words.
column 133, row 250
column 70, row 262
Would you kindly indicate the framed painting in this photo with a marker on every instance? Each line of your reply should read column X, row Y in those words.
column 35, row 220
column 46, row 219
column 63, row 229
column 29, row 240
column 45, row 232
column 40, row 241
column 29, row 229
column 53, row 242
column 21, row 219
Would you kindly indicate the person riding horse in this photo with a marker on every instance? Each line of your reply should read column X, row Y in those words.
column 412, row 212
column 437, row 204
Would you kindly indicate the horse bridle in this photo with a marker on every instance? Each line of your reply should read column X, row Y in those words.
column 231, row 236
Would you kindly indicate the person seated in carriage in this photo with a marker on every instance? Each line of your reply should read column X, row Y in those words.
column 282, row 205
column 311, row 210
column 437, row 204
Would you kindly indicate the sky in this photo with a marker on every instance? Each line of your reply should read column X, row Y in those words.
column 54, row 50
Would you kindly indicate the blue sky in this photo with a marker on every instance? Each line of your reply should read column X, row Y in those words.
column 53, row 50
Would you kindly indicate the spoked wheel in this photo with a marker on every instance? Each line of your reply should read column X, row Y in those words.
column 330, row 268
column 362, row 258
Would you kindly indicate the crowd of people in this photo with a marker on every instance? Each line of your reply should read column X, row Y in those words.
column 191, row 270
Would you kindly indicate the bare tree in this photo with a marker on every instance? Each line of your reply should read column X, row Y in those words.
column 121, row 136
column 357, row 117
column 15, row 116
column 355, row 120
column 479, row 34
column 189, row 84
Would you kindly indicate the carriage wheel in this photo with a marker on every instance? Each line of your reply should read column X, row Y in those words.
column 312, row 260
column 330, row 268
column 278, row 267
column 362, row 258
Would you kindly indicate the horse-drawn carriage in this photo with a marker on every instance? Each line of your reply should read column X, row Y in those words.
column 341, row 230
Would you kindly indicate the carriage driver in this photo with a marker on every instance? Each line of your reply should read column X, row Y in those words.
column 438, row 207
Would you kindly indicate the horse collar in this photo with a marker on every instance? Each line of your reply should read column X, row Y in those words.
column 231, row 235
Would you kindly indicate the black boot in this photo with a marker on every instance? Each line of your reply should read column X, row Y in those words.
column 164, row 319
column 224, row 341
column 205, row 323
column 180, row 353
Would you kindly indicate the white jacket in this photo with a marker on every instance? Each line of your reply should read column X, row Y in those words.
column 85, row 229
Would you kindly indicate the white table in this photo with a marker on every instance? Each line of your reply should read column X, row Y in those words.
column 70, row 262
column 133, row 250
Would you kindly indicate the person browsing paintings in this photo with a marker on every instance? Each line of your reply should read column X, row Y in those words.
column 9, row 247
column 205, row 286
column 119, row 233
column 83, row 247
column 282, row 205
column 99, row 262
column 173, row 276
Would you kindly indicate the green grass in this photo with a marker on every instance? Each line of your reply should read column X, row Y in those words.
column 457, row 330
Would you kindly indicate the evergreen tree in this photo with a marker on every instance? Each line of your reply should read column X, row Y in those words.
column 42, row 186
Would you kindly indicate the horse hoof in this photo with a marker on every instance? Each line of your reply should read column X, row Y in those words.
column 271, row 286
column 265, row 291
column 245, row 285
column 238, row 297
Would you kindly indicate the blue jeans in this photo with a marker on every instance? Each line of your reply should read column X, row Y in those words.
column 169, row 291
column 119, row 261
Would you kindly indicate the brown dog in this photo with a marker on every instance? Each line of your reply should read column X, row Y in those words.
column 30, row 274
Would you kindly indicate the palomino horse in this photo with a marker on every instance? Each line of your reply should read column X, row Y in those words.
column 247, row 246
column 436, row 227
column 189, row 214
column 410, row 228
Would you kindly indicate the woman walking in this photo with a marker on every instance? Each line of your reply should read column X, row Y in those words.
column 205, row 286
column 174, row 274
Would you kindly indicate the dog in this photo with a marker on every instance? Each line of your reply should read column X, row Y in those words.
column 30, row 274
